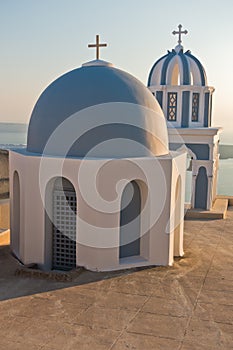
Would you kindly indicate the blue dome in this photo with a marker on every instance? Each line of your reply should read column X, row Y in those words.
column 88, row 86
column 177, row 68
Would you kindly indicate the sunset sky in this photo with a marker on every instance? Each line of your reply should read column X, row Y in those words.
column 40, row 40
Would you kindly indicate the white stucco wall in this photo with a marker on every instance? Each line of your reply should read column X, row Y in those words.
column 99, row 184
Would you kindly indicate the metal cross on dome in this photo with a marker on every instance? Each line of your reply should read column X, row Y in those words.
column 97, row 45
column 179, row 32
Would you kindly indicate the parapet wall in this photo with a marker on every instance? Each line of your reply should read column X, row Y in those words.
column 4, row 214
column 4, row 174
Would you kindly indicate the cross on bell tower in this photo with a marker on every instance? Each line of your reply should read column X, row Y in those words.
column 179, row 32
column 97, row 45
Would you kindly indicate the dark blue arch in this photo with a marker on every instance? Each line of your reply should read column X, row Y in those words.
column 153, row 67
column 165, row 65
column 186, row 70
column 201, row 192
column 201, row 68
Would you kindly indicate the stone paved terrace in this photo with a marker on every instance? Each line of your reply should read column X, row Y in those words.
column 188, row 306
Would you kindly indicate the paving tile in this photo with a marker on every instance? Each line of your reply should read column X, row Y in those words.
column 80, row 337
column 115, row 319
column 221, row 272
column 133, row 287
column 215, row 312
column 5, row 308
column 41, row 332
column 199, row 270
column 208, row 335
column 168, row 307
column 228, row 228
column 226, row 242
column 216, row 297
column 49, row 308
column 158, row 325
column 223, row 263
column 15, row 328
column 132, row 341
column 153, row 276
column 7, row 344
column 224, row 254
column 220, row 284
column 195, row 345
column 190, row 281
column 74, row 294
column 102, row 285
column 116, row 300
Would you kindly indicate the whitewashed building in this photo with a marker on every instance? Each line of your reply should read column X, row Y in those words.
column 179, row 83
column 97, row 186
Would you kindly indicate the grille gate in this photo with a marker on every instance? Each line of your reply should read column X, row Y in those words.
column 64, row 230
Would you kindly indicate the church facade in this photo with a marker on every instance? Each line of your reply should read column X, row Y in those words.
column 179, row 83
column 97, row 185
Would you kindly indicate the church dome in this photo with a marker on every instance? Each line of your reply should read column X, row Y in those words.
column 82, row 95
column 177, row 68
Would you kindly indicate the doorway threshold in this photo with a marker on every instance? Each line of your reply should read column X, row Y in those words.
column 132, row 260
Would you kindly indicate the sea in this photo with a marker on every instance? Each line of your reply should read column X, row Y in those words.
column 14, row 135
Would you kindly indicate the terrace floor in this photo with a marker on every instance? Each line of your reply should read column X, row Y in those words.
column 185, row 307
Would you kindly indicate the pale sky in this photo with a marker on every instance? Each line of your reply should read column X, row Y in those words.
column 40, row 40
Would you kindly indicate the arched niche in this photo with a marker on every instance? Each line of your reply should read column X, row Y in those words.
column 201, row 189
column 130, row 221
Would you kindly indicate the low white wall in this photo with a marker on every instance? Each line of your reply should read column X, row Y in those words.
column 4, row 214
column 99, row 184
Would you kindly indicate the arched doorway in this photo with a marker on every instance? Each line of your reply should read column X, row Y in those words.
column 201, row 189
column 16, row 215
column 64, row 208
column 130, row 221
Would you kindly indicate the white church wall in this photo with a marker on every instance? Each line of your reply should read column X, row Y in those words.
column 98, row 213
column 178, row 199
column 17, row 229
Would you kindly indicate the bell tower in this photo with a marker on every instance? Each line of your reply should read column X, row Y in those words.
column 179, row 82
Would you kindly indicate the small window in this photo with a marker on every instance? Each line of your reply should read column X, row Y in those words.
column 172, row 106
column 195, row 107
